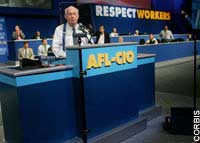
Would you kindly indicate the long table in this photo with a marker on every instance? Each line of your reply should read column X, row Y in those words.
column 132, row 38
column 170, row 51
column 13, row 46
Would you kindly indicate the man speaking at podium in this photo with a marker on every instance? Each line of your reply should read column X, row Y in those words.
column 63, row 35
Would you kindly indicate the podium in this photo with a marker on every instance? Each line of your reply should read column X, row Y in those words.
column 116, row 84
column 101, row 88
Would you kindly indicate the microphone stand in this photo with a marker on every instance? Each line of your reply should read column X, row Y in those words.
column 79, row 36
column 195, row 32
column 181, row 120
column 79, row 41
column 84, row 129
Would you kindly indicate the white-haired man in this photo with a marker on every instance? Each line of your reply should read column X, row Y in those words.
column 63, row 35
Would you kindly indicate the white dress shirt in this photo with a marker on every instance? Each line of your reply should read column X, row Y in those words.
column 57, row 45
column 166, row 34
column 113, row 34
column 101, row 39
column 153, row 41
column 42, row 51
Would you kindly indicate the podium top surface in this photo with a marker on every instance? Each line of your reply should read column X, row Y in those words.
column 143, row 55
column 17, row 71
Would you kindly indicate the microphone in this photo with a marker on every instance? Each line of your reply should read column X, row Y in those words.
column 83, row 28
column 78, row 34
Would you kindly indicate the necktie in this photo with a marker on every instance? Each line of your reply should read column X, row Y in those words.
column 26, row 54
column 75, row 38
column 45, row 49
column 165, row 35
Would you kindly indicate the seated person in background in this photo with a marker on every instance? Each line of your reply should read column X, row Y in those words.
column 136, row 32
column 102, row 36
column 50, row 52
column 50, row 49
column 25, row 52
column 166, row 34
column 43, row 48
column 120, row 39
column 151, row 40
column 189, row 37
column 142, row 41
column 18, row 34
column 114, row 32
column 91, row 29
column 37, row 35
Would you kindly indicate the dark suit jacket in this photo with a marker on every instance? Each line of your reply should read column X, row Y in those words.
column 35, row 37
column 106, row 37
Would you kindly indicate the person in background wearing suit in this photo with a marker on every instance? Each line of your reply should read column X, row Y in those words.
column 91, row 29
column 18, row 34
column 25, row 52
column 151, row 40
column 37, row 35
column 43, row 48
column 102, row 36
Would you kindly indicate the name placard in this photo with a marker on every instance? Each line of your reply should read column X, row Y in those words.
column 109, row 59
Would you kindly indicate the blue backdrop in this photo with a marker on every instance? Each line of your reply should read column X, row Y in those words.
column 46, row 20
column 129, row 25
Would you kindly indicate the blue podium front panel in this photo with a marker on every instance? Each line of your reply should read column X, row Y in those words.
column 48, row 111
column 146, row 86
column 111, row 100
column 10, row 113
column 113, row 88
column 109, row 87
column 115, row 99
column 39, row 110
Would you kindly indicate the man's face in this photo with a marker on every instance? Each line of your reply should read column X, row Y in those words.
column 38, row 33
column 17, row 29
column 26, row 45
column 72, row 16
column 101, row 29
column 120, row 40
column 166, row 27
column 44, row 42
column 151, row 36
